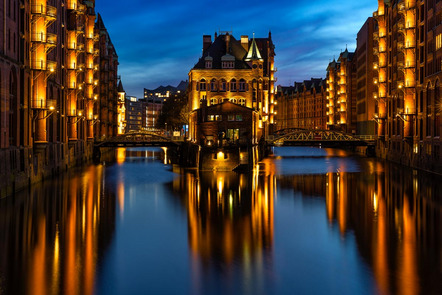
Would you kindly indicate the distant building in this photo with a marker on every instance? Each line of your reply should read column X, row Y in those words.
column 121, row 109
column 152, row 110
column 237, row 71
column 154, row 100
column 134, row 114
column 302, row 105
column 341, row 93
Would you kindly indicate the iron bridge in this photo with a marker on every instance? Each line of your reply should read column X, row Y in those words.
column 138, row 139
column 298, row 136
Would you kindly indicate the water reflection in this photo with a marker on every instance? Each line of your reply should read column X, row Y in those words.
column 230, row 228
column 53, row 235
column 395, row 215
column 321, row 222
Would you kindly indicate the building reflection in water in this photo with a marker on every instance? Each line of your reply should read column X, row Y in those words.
column 230, row 224
column 395, row 215
column 54, row 235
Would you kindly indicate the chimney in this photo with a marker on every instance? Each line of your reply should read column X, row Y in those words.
column 245, row 42
column 227, row 42
column 207, row 41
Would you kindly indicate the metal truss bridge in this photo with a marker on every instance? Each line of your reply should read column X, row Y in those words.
column 138, row 139
column 305, row 137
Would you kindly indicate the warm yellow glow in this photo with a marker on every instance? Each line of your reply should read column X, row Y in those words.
column 220, row 155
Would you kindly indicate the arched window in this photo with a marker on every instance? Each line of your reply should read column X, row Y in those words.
column 12, row 108
column 242, row 85
column 242, row 101
column 203, row 85
column 233, row 85
column 213, row 85
column 223, row 85
column 233, row 100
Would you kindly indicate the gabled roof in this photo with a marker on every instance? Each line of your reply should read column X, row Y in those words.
column 220, row 106
column 346, row 55
column 218, row 49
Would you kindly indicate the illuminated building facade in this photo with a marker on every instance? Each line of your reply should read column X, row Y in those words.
column 238, row 71
column 366, row 71
column 48, row 85
column 341, row 93
column 107, row 106
column 121, row 109
column 134, row 114
column 302, row 105
column 409, row 72
column 152, row 110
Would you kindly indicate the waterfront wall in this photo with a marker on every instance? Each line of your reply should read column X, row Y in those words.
column 19, row 168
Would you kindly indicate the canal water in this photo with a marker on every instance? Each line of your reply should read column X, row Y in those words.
column 305, row 221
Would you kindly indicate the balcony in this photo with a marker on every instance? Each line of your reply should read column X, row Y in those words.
column 71, row 112
column 41, row 65
column 44, row 104
column 375, row 65
column 72, row 85
column 51, row 39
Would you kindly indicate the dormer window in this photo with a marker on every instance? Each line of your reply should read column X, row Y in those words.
column 228, row 64
column 228, row 61
column 208, row 61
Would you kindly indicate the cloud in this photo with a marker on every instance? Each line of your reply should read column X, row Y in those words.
column 159, row 41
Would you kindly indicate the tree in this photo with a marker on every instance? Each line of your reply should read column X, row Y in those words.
column 174, row 112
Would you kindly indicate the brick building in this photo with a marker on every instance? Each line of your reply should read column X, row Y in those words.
column 48, row 79
column 239, row 71
column 408, row 48
column 341, row 93
column 366, row 68
column 302, row 105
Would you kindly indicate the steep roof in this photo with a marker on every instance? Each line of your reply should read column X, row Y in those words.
column 253, row 53
column 218, row 49
column 120, row 87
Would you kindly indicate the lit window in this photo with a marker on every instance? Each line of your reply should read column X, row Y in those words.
column 238, row 117
column 242, row 101
column 231, row 117
column 211, row 118
column 438, row 41
column 213, row 101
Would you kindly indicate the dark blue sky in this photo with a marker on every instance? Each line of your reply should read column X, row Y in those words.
column 158, row 42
